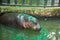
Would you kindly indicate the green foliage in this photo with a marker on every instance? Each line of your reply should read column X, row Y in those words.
column 32, row 10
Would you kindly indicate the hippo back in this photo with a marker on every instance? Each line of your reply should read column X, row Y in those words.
column 8, row 19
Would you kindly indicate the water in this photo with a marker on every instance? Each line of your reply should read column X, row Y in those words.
column 52, row 25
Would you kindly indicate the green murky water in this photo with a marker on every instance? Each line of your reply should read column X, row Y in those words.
column 49, row 25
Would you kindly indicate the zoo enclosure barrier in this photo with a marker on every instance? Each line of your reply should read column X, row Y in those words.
column 32, row 3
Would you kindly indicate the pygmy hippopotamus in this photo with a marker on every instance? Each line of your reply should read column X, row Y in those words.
column 20, row 20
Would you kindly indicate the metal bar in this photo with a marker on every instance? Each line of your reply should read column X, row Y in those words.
column 45, row 3
column 38, row 2
column 8, row 1
column 59, row 2
column 15, row 1
column 23, row 1
column 30, row 2
column 26, row 5
column 52, row 2
column 0, row 2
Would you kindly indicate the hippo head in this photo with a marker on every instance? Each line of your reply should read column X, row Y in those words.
column 29, row 22
column 35, row 24
column 32, row 22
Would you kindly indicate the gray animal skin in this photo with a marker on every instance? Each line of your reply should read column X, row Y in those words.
column 18, row 20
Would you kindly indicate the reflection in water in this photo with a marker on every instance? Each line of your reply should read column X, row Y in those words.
column 52, row 36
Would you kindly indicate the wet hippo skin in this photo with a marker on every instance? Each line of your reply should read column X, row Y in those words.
column 9, row 19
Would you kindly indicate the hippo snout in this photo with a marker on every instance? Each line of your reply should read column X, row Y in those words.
column 37, row 27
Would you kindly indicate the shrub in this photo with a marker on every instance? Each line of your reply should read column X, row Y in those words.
column 49, row 12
